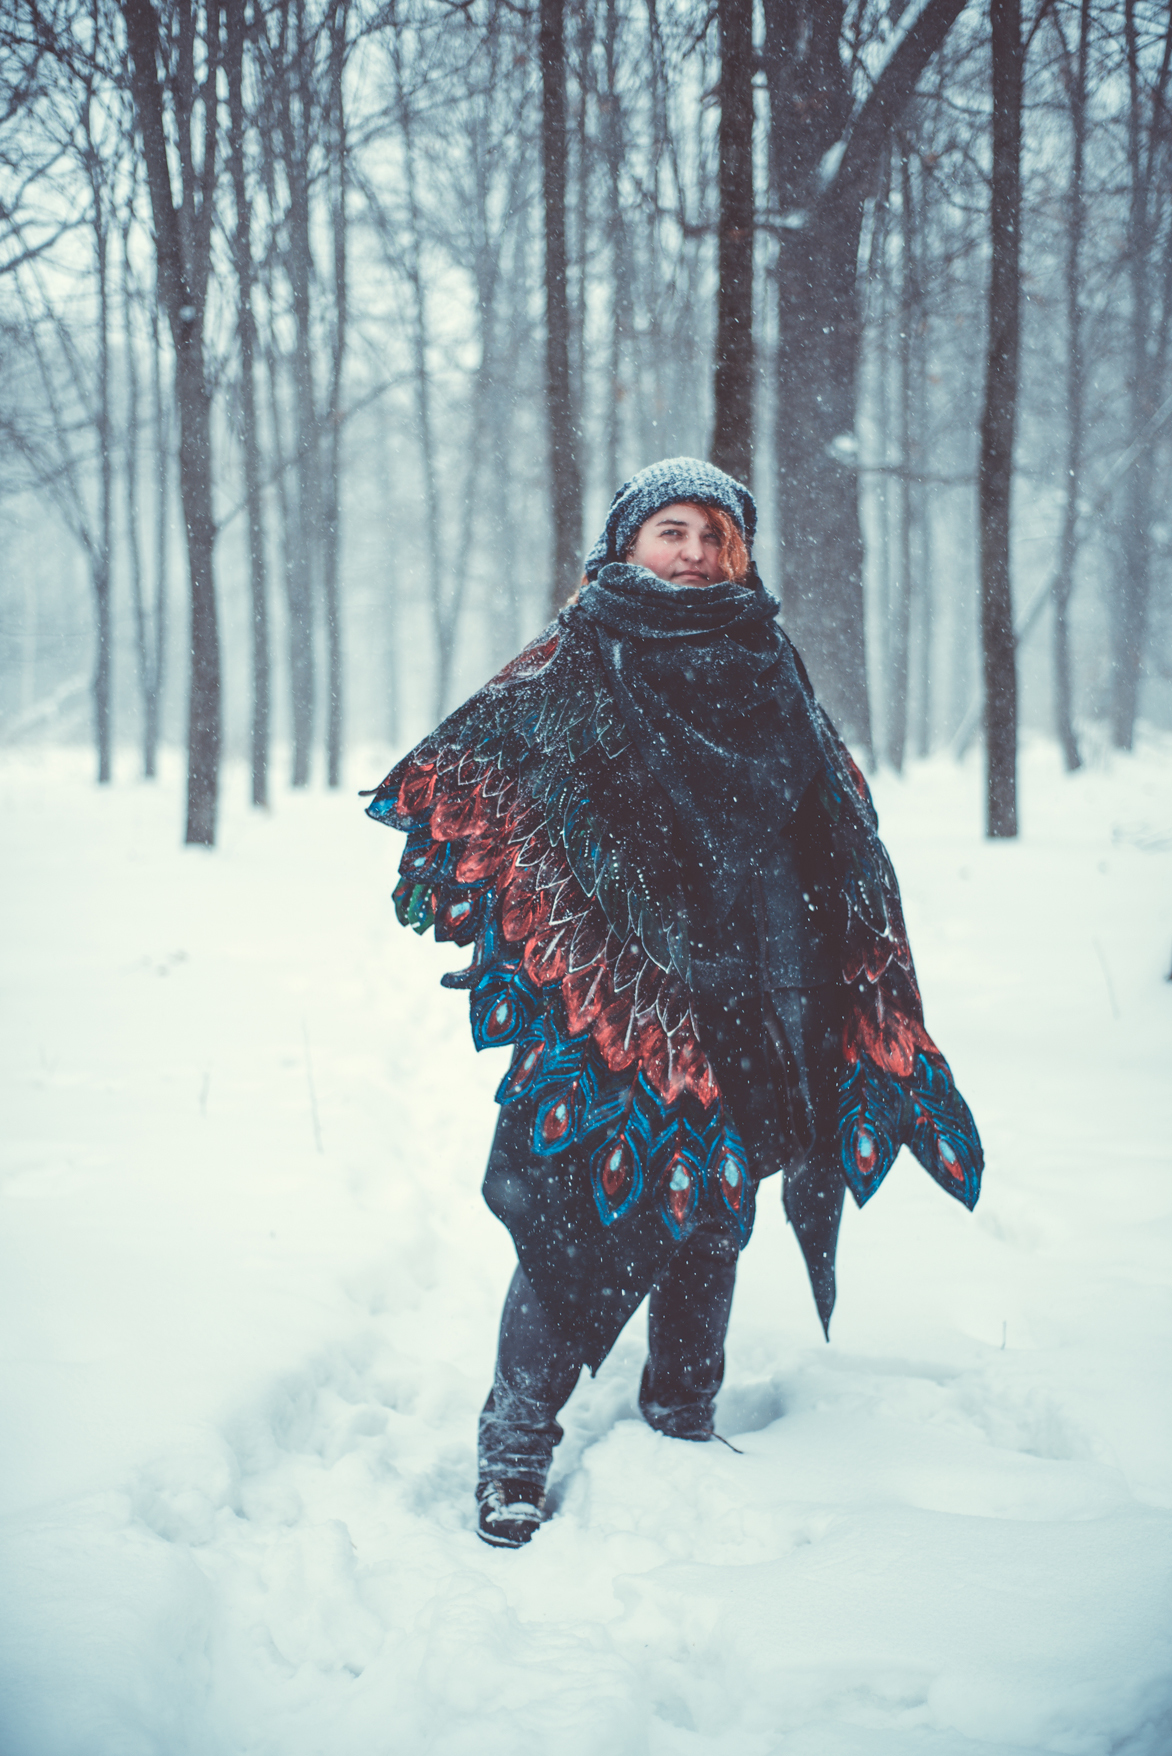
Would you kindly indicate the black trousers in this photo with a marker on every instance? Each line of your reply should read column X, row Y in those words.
column 537, row 1368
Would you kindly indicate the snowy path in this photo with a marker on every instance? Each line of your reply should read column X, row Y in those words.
column 249, row 1293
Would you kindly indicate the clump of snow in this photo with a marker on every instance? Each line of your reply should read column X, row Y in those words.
column 250, row 1295
column 830, row 161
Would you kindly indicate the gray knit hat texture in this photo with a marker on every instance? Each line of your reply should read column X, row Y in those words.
column 661, row 484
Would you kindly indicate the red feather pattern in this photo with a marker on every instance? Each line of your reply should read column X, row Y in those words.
column 639, row 1016
column 493, row 823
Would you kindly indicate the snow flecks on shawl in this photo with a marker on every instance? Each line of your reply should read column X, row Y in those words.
column 240, row 1377
column 590, row 988
column 481, row 848
column 897, row 1088
column 602, row 1029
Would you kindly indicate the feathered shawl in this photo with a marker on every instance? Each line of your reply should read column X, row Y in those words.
column 545, row 832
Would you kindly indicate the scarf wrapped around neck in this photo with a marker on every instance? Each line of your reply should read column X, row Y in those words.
column 709, row 690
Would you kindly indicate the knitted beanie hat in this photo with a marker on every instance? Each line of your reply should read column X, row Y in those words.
column 662, row 484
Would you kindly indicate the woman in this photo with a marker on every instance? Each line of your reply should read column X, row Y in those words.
column 686, row 925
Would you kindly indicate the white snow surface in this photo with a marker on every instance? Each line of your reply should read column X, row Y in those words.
column 250, row 1295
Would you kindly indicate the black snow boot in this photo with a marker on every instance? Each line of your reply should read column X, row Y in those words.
column 680, row 1419
column 510, row 1512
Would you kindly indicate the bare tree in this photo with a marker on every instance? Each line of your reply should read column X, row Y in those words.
column 565, row 471
column 621, row 312
column 908, row 513
column 732, row 431
column 54, row 446
column 36, row 211
column 295, row 58
column 235, row 33
column 1149, row 273
column 825, row 153
column 337, row 25
column 1062, row 586
column 162, row 408
column 97, row 177
column 183, row 237
column 68, row 443
column 998, row 422
column 149, row 616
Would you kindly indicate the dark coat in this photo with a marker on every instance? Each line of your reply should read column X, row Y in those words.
column 686, row 925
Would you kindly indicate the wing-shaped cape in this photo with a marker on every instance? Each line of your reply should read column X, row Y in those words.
column 536, row 835
column 896, row 1088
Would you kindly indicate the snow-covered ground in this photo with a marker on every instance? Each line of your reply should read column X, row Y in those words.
column 249, row 1294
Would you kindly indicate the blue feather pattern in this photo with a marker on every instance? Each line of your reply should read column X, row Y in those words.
column 509, row 851
column 878, row 1112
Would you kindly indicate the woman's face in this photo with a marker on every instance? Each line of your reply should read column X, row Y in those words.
column 680, row 545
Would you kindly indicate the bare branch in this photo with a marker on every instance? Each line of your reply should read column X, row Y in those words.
column 878, row 112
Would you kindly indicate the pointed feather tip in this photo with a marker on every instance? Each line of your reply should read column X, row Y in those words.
column 825, row 1295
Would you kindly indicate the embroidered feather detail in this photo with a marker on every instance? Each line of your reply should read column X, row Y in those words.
column 569, row 895
column 601, row 1022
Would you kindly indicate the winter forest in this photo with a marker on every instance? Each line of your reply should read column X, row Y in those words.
column 329, row 332
column 328, row 329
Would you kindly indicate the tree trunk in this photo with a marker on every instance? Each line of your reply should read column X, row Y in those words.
column 142, row 631
column 100, row 548
column 472, row 507
column 818, row 331
column 183, row 275
column 513, row 349
column 732, row 429
column 1147, row 337
column 195, row 487
column 901, row 607
column 296, row 109
column 924, row 600
column 817, row 484
column 621, row 301
column 246, row 338
column 100, row 569
column 824, row 160
column 565, row 474
column 389, row 576
column 578, row 252
column 879, row 548
column 1063, row 584
column 332, row 520
column 282, row 444
column 162, row 420
column 998, row 420
column 921, row 518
